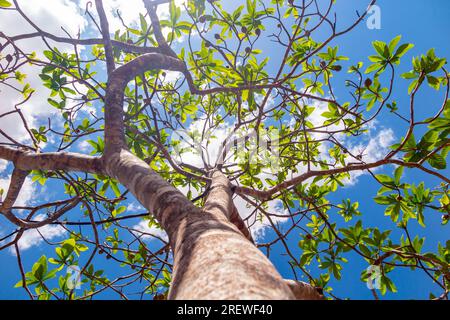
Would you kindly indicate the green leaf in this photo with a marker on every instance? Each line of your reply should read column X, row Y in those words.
column 421, row 218
column 403, row 49
column 438, row 162
column 384, row 200
column 373, row 67
column 394, row 42
column 50, row 275
column 381, row 48
column 115, row 188
column 53, row 103
column 48, row 54
column 398, row 174
column 388, row 283
column 433, row 82
column 409, row 75
column 39, row 269
column 393, row 211
column 5, row 4
column 412, row 86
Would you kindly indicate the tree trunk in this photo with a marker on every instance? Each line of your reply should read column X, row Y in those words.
column 304, row 291
column 212, row 259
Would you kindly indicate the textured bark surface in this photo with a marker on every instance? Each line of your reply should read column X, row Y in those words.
column 212, row 259
column 119, row 78
column 51, row 161
column 304, row 291
column 236, row 219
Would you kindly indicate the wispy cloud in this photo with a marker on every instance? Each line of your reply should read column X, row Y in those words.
column 145, row 232
column 27, row 193
column 134, row 207
column 35, row 237
column 64, row 14
column 3, row 165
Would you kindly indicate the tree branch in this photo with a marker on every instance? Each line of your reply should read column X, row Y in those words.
column 114, row 99
column 265, row 195
column 51, row 161
column 127, row 47
column 110, row 64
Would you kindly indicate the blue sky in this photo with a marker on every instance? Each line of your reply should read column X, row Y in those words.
column 424, row 23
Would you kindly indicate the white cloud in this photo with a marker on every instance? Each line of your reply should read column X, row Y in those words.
column 145, row 232
column 50, row 15
column 67, row 15
column 215, row 138
column 258, row 227
column 134, row 207
column 34, row 237
column 26, row 195
column 190, row 150
column 63, row 14
column 3, row 165
column 318, row 120
column 374, row 150
column 372, row 145
column 163, row 10
column 84, row 146
column 128, row 12
column 172, row 76
column 377, row 146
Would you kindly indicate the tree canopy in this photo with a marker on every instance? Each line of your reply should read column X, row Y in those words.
column 190, row 90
